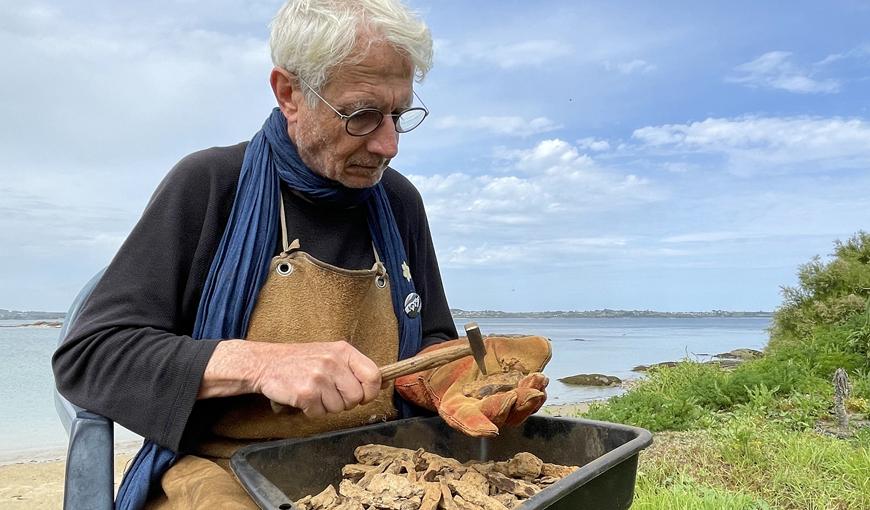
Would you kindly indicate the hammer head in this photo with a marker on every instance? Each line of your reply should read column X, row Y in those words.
column 478, row 349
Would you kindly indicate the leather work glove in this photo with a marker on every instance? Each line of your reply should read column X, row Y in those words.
column 479, row 405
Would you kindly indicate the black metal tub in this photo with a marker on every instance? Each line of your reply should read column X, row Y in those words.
column 279, row 472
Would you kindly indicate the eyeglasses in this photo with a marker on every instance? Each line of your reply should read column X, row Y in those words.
column 366, row 120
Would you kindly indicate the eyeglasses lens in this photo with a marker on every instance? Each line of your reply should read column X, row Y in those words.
column 409, row 119
column 364, row 122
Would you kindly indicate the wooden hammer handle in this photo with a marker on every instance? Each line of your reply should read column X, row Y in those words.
column 424, row 361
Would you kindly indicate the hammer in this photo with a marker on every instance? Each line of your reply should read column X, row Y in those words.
column 475, row 347
column 420, row 362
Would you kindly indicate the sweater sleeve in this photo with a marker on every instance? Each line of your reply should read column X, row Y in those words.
column 129, row 355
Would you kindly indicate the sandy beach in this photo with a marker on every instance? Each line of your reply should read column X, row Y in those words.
column 35, row 480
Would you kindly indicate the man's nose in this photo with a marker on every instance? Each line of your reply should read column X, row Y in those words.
column 384, row 141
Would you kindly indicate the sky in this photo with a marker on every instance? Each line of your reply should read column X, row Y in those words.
column 675, row 156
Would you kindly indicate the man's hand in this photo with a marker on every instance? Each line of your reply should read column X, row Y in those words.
column 317, row 377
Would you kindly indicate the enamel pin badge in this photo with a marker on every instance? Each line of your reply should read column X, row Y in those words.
column 413, row 305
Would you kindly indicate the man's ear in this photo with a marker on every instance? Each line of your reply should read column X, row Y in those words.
column 283, row 86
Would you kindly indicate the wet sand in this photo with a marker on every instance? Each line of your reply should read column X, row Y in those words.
column 37, row 481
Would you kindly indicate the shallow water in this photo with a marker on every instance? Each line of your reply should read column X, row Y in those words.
column 611, row 346
column 615, row 346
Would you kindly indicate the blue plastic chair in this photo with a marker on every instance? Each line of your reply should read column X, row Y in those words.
column 89, row 480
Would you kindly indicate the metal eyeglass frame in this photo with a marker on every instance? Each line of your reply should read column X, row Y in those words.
column 395, row 116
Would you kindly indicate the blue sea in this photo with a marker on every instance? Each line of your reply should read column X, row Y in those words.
column 28, row 421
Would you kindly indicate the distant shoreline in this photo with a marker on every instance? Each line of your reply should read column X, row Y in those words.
column 29, row 315
column 459, row 313
column 602, row 314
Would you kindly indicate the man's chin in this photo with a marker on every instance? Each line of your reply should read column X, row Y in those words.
column 361, row 177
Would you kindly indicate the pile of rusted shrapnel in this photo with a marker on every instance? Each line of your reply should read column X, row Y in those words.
column 388, row 478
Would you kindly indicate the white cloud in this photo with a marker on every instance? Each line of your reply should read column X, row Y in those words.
column 118, row 81
column 97, row 105
column 636, row 66
column 99, row 99
column 561, row 251
column 706, row 237
column 504, row 125
column 776, row 70
column 593, row 144
column 531, row 53
column 858, row 53
column 754, row 145
column 31, row 218
column 679, row 167
column 552, row 157
column 547, row 189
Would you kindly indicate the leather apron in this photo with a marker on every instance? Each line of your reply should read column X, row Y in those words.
column 303, row 300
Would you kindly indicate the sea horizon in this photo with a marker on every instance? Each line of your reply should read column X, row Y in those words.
column 8, row 314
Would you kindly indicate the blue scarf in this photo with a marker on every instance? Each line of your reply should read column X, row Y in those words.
column 241, row 265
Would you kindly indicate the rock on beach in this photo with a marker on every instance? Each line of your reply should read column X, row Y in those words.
column 741, row 354
column 645, row 368
column 725, row 360
column 592, row 380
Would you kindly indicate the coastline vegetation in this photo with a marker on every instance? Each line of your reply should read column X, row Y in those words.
column 764, row 435
column 29, row 315
column 458, row 313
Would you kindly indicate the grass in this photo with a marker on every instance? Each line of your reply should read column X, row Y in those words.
column 761, row 436
column 750, row 465
column 757, row 447
column 685, row 493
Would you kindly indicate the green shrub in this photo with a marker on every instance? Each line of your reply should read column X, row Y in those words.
column 678, row 398
column 828, row 293
column 649, row 410
column 763, row 451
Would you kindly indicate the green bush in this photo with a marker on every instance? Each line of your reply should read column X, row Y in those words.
column 650, row 410
column 828, row 293
column 678, row 398
column 764, row 451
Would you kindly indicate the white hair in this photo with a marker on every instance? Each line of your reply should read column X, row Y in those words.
column 310, row 38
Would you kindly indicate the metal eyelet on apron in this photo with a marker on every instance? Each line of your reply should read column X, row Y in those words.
column 284, row 269
column 381, row 281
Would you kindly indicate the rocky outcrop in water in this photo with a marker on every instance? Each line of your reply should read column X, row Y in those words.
column 726, row 360
column 592, row 380
column 741, row 354
column 645, row 368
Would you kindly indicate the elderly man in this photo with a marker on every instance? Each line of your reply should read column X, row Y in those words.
column 266, row 282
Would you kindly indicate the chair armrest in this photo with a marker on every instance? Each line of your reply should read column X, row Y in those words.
column 89, row 481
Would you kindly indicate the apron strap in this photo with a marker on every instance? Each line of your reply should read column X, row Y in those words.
column 283, row 223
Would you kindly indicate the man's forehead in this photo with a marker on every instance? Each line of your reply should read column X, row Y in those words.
column 369, row 88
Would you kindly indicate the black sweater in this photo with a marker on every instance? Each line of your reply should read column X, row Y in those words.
column 129, row 355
